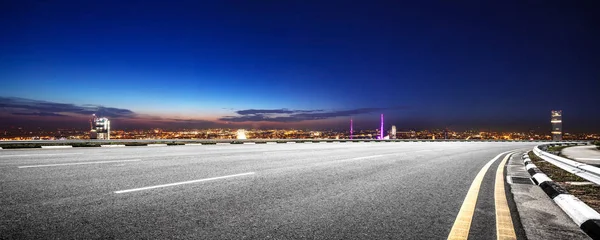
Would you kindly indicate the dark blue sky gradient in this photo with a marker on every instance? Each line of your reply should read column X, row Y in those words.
column 431, row 64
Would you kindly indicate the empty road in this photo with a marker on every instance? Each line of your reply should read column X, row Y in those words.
column 265, row 191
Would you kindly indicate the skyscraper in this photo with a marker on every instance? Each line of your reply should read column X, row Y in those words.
column 556, row 120
column 393, row 132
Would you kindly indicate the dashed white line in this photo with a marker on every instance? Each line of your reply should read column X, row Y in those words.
column 65, row 146
column 33, row 155
column 428, row 150
column 361, row 158
column 181, row 183
column 77, row 163
column 368, row 157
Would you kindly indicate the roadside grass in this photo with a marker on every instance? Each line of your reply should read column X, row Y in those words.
column 554, row 172
column 590, row 194
column 557, row 150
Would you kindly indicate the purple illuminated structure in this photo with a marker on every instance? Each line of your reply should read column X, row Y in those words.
column 381, row 131
column 351, row 128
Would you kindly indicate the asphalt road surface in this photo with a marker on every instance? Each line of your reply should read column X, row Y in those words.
column 262, row 191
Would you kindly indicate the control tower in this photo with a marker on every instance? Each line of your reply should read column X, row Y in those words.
column 556, row 120
column 100, row 128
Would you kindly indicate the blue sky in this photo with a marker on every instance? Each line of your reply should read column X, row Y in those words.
column 433, row 64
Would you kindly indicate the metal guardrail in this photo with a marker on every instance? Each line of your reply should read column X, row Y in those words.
column 583, row 170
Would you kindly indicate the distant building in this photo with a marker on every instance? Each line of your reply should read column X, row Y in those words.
column 446, row 133
column 556, row 120
column 241, row 134
column 393, row 132
column 100, row 128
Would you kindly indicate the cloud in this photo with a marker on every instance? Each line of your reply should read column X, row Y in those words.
column 42, row 114
column 285, row 115
column 273, row 111
column 22, row 106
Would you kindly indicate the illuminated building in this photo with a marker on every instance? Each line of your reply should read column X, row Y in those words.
column 241, row 134
column 100, row 128
column 393, row 132
column 556, row 120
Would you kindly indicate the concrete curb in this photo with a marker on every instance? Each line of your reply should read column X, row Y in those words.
column 583, row 215
column 66, row 146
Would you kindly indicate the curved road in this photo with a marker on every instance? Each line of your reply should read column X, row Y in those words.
column 262, row 191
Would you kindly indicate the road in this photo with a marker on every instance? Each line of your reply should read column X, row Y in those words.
column 263, row 191
column 585, row 154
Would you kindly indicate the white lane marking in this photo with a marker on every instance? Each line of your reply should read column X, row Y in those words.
column 116, row 145
column 78, row 163
column 157, row 145
column 42, row 154
column 597, row 159
column 361, row 158
column 66, row 146
column 193, row 144
column 428, row 150
column 368, row 157
column 186, row 182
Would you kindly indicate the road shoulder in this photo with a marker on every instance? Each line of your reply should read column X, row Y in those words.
column 540, row 217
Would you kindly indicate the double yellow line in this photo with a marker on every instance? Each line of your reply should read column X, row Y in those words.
column 504, row 225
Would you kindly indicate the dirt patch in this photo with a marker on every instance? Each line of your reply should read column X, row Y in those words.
column 554, row 172
column 589, row 194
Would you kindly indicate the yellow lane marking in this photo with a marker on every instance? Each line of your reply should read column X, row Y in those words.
column 504, row 225
column 462, row 224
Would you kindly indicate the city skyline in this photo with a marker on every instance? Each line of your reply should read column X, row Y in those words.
column 313, row 65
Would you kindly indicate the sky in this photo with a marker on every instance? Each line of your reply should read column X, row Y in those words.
column 488, row 65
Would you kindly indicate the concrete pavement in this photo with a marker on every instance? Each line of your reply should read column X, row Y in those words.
column 540, row 217
column 275, row 191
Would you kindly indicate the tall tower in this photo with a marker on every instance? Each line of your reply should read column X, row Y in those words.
column 381, row 129
column 556, row 120
column 393, row 132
